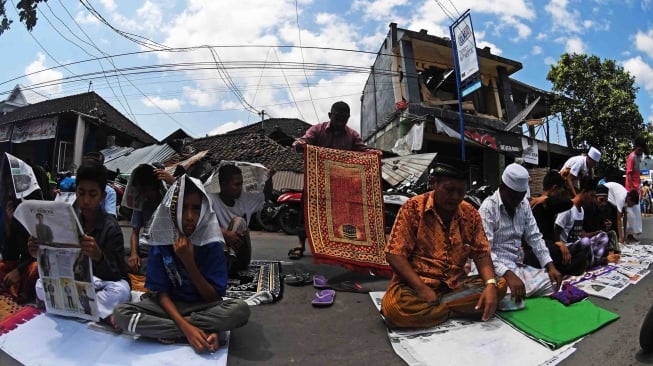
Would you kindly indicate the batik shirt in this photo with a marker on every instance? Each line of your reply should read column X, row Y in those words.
column 437, row 256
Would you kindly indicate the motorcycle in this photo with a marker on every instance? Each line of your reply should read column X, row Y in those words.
column 477, row 194
column 395, row 197
column 266, row 217
column 289, row 210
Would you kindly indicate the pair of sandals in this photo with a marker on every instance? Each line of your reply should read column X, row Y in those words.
column 296, row 253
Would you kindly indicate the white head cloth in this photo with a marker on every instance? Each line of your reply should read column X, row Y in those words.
column 166, row 224
column 515, row 177
column 594, row 154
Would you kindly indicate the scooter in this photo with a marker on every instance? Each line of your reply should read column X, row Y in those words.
column 289, row 210
column 266, row 217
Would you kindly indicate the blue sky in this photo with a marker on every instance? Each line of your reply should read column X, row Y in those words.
column 198, row 88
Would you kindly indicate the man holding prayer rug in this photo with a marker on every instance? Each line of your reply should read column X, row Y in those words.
column 432, row 238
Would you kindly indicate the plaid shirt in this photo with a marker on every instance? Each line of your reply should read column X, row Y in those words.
column 437, row 256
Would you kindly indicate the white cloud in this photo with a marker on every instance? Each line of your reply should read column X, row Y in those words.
column 563, row 18
column 536, row 50
column 150, row 15
column 549, row 60
column 84, row 17
column 644, row 42
column 42, row 75
column 378, row 9
column 167, row 105
column 493, row 48
column 541, row 36
column 642, row 71
column 226, row 127
column 572, row 44
column 109, row 5
column 199, row 97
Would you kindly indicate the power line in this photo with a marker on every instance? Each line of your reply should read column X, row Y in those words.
column 445, row 11
column 292, row 95
column 301, row 51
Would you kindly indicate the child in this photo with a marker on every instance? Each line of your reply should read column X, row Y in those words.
column 187, row 279
column 102, row 241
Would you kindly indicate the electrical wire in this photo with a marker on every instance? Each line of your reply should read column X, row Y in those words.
column 301, row 51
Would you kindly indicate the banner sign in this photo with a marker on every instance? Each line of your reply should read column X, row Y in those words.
column 37, row 129
column 5, row 132
column 465, row 47
column 530, row 151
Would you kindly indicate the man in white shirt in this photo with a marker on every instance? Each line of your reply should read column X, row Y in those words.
column 507, row 220
column 625, row 202
column 234, row 209
column 577, row 166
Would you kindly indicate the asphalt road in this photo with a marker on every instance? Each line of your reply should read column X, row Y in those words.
column 351, row 332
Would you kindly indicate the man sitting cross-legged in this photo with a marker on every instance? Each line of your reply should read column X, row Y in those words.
column 187, row 278
column 432, row 238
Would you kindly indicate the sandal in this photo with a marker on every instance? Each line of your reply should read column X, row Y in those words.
column 296, row 253
column 350, row 286
column 298, row 279
column 324, row 298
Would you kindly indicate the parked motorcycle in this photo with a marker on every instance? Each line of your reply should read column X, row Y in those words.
column 394, row 198
column 289, row 211
column 267, row 216
column 477, row 194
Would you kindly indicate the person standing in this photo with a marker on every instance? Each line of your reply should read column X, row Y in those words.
column 633, row 162
column 334, row 134
column 578, row 166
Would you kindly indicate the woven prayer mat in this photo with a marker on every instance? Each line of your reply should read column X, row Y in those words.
column 467, row 342
column 553, row 324
column 259, row 284
column 343, row 208
column 12, row 314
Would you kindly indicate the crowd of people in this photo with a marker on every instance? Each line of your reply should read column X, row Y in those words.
column 448, row 259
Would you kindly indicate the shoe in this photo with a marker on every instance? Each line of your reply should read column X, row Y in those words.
column 298, row 279
column 296, row 253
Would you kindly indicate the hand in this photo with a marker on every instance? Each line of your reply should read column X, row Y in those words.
column 566, row 254
column 184, row 250
column 516, row 285
column 488, row 301
column 134, row 262
column 32, row 246
column 271, row 173
column 429, row 296
column 233, row 239
column 554, row 275
column 299, row 145
column 164, row 175
column 12, row 277
column 614, row 257
column 198, row 339
column 90, row 248
column 538, row 200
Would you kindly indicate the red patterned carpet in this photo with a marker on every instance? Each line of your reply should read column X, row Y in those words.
column 343, row 208
column 12, row 314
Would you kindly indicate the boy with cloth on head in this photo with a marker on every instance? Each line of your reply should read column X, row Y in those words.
column 186, row 276
column 507, row 220
column 431, row 240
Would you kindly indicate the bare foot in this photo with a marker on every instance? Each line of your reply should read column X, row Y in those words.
column 214, row 342
column 112, row 322
column 166, row 340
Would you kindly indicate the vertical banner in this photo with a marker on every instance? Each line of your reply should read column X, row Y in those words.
column 530, row 152
column 463, row 44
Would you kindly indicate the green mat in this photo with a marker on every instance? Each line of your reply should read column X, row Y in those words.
column 551, row 323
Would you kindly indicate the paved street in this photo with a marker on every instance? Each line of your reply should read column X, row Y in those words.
column 351, row 332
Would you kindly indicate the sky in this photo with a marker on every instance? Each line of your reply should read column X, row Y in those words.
column 212, row 66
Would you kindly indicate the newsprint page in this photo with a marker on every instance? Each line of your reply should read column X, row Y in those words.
column 65, row 272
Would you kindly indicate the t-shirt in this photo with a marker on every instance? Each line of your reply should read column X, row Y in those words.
column 571, row 222
column 632, row 171
column 545, row 215
column 166, row 272
column 577, row 166
column 617, row 195
column 245, row 206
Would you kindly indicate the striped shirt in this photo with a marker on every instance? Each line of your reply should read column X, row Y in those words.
column 505, row 234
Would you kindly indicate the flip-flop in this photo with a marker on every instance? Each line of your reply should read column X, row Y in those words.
column 298, row 279
column 320, row 282
column 350, row 286
column 324, row 298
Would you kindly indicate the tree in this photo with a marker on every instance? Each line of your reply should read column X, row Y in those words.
column 26, row 11
column 596, row 99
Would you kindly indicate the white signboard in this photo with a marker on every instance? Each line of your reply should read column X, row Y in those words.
column 530, row 151
column 465, row 47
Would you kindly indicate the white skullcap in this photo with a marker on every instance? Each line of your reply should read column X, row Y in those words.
column 515, row 177
column 594, row 154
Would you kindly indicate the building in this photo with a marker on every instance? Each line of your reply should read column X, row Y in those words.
column 411, row 96
column 58, row 132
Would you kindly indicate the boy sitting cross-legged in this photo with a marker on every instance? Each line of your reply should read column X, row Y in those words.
column 187, row 278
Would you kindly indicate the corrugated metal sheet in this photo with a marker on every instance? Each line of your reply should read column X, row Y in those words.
column 396, row 170
column 115, row 152
column 148, row 154
column 287, row 179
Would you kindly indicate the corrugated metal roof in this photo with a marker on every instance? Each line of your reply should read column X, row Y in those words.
column 396, row 170
column 148, row 154
column 115, row 152
column 287, row 179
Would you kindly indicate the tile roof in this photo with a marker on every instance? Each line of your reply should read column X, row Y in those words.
column 82, row 103
column 251, row 147
column 290, row 126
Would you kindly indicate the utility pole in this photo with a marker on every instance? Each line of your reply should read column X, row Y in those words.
column 262, row 114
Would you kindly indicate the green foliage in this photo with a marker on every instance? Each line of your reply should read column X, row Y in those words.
column 596, row 99
column 26, row 12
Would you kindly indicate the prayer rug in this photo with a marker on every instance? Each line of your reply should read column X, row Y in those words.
column 53, row 340
column 343, row 208
column 12, row 314
column 553, row 324
column 467, row 342
column 259, row 284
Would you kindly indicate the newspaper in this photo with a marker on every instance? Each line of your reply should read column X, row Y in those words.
column 22, row 175
column 67, row 197
column 66, row 274
column 254, row 177
column 606, row 285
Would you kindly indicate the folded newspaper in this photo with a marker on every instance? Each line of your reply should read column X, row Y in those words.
column 254, row 177
column 66, row 273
